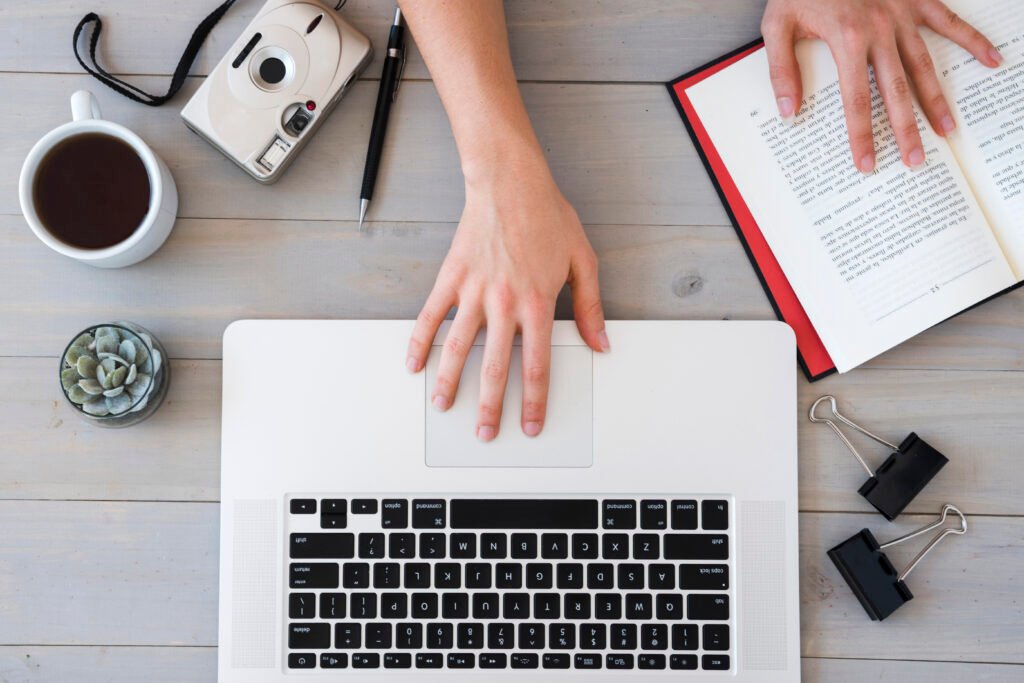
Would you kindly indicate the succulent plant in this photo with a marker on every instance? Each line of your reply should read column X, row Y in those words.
column 110, row 370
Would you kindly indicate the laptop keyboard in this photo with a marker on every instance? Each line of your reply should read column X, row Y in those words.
column 492, row 582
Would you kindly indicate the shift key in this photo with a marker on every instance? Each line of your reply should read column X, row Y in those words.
column 696, row 547
column 313, row 575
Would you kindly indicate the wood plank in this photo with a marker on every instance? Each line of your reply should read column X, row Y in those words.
column 560, row 40
column 619, row 152
column 145, row 574
column 889, row 671
column 203, row 278
column 104, row 664
column 43, row 664
column 47, row 452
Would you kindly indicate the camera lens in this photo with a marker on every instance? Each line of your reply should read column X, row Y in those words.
column 272, row 70
column 299, row 123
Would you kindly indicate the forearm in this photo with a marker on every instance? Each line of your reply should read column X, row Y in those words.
column 465, row 45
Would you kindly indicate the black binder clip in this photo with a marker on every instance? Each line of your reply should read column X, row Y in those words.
column 871, row 575
column 901, row 477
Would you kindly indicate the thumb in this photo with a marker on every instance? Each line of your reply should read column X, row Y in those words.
column 783, row 69
column 586, row 302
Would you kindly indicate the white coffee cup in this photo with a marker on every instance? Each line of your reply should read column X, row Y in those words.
column 163, row 194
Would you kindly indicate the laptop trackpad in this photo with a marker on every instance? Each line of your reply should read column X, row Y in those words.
column 568, row 435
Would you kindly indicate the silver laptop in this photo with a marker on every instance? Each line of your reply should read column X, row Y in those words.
column 650, row 531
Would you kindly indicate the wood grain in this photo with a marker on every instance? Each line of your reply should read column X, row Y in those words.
column 559, row 40
column 154, row 567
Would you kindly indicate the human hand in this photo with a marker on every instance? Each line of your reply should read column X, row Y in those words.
column 518, row 243
column 885, row 34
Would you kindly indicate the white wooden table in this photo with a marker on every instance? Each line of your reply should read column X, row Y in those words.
column 108, row 539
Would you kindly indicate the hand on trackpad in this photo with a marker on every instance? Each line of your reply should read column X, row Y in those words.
column 567, row 439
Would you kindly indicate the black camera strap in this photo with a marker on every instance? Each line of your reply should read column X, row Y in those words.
column 127, row 89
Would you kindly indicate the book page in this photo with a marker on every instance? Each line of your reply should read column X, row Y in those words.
column 988, row 106
column 874, row 259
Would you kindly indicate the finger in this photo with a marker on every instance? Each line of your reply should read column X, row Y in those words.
column 440, row 301
column 894, row 87
column 921, row 69
column 948, row 23
column 855, row 88
column 457, row 345
column 586, row 302
column 501, row 329
column 783, row 68
column 536, row 371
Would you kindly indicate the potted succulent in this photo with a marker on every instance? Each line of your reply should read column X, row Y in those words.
column 114, row 374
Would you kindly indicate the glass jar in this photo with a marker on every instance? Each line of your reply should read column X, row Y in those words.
column 115, row 374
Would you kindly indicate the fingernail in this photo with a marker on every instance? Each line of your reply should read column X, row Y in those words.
column 531, row 428
column 602, row 341
column 412, row 364
column 440, row 402
column 916, row 157
column 867, row 164
column 995, row 56
column 785, row 107
column 486, row 432
column 947, row 124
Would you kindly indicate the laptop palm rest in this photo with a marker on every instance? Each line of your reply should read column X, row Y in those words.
column 568, row 436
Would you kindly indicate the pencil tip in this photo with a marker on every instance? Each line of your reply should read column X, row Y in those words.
column 363, row 204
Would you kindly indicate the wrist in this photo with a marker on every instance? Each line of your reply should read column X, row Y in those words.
column 503, row 155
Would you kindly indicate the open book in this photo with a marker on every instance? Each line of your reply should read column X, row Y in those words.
column 859, row 263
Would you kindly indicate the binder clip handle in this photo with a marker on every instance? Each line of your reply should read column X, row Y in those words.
column 946, row 510
column 812, row 415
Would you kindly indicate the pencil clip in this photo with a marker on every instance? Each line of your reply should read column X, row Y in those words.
column 903, row 475
column 870, row 574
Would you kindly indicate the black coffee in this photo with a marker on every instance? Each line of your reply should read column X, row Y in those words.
column 91, row 191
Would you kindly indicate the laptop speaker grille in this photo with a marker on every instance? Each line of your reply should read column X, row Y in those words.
column 254, row 634
column 762, row 526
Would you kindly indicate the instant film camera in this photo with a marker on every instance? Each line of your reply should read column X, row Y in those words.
column 276, row 84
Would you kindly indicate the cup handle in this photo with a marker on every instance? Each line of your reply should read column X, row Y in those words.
column 84, row 106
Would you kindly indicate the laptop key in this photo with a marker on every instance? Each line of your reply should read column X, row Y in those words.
column 394, row 514
column 539, row 575
column 440, row 636
column 409, row 636
column 569, row 575
column 584, row 546
column 332, row 605
column 394, row 606
column 669, row 606
column 366, row 660
column 554, row 546
column 355, row 575
column 682, row 662
column 493, row 660
column 485, row 605
column 531, row 636
column 493, row 546
column 429, row 514
column 619, row 661
column 646, row 547
column 333, row 506
column 401, row 546
column 364, row 605
column 615, row 546
column 322, row 546
column 417, row 575
column 447, row 575
column 684, row 637
column 309, row 636
column 470, row 636
column 714, row 515
column 524, row 660
column 582, row 661
column 715, row 662
column 561, row 636
column 646, row 661
column 716, row 636
column 623, row 637
column 461, row 660
column 618, row 514
column 432, row 546
column 397, row 660
column 638, row 606
column 608, row 606
column 348, row 636
column 302, row 606
column 661, row 577
column 654, row 637
column 333, row 660
column 371, row 546
column 696, row 547
column 508, row 575
column 593, row 636
column 547, row 605
column 424, row 605
column 707, row 607
column 524, row 546
column 313, row 575
column 702, row 577
column 516, row 606
column 378, row 636
column 303, row 506
column 600, row 576
column 429, row 660
column 631, row 576
column 454, row 605
column 478, row 575
column 386, row 575
column 500, row 636
column 653, row 514
column 684, row 514
column 301, row 660
column 555, row 660
column 364, row 506
column 577, row 605
column 463, row 546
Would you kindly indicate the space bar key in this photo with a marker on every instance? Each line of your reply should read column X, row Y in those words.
column 526, row 513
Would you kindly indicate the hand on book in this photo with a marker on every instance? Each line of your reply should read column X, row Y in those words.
column 884, row 34
column 518, row 243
